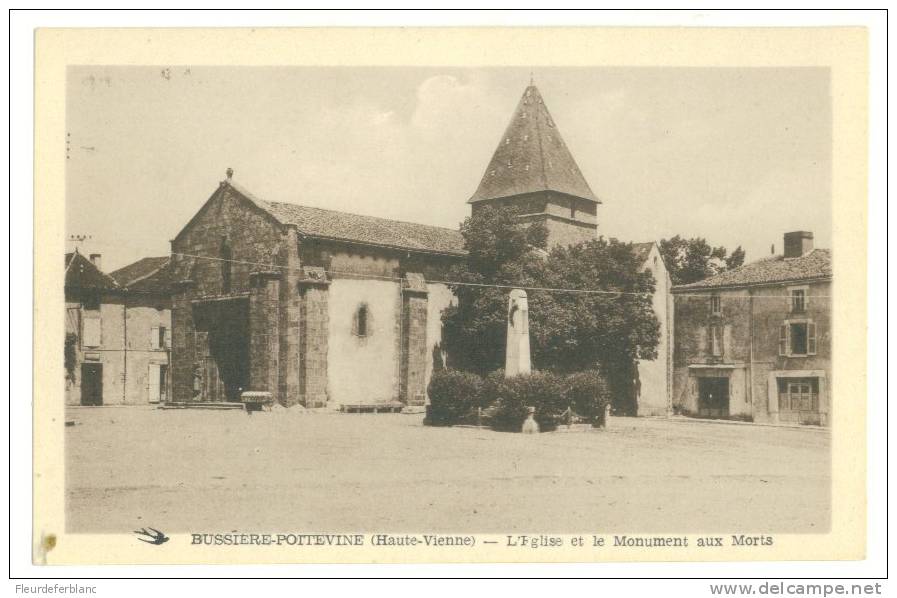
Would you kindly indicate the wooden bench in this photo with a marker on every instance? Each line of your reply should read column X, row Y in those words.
column 219, row 405
column 393, row 407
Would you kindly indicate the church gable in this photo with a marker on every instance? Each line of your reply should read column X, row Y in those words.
column 227, row 239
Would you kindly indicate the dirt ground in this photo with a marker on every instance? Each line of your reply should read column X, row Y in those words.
column 286, row 471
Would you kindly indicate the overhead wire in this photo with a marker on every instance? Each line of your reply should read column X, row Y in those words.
column 459, row 283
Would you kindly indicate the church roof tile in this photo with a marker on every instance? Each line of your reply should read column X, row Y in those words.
column 532, row 157
column 357, row 228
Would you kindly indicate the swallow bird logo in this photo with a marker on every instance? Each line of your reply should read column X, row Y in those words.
column 153, row 536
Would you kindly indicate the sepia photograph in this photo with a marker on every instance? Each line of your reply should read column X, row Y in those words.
column 475, row 297
column 341, row 298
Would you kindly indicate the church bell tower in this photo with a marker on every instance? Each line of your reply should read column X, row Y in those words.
column 533, row 170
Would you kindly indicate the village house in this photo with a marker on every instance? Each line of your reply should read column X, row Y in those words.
column 754, row 342
column 324, row 308
column 117, row 332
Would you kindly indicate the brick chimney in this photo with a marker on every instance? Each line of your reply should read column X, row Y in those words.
column 97, row 260
column 798, row 243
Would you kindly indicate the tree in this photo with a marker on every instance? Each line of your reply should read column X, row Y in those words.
column 691, row 260
column 500, row 252
column 571, row 330
column 735, row 259
column 70, row 355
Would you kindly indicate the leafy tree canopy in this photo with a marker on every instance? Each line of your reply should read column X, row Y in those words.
column 569, row 331
column 691, row 260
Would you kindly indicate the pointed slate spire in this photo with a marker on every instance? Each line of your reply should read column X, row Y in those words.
column 532, row 157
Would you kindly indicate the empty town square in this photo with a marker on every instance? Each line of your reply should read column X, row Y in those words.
column 184, row 471
column 481, row 304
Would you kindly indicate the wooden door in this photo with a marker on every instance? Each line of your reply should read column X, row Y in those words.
column 91, row 384
column 713, row 397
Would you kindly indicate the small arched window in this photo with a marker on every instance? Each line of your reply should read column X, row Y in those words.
column 361, row 326
column 225, row 254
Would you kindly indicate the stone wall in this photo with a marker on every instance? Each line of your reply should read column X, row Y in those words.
column 563, row 232
column 254, row 239
column 229, row 226
column 414, row 356
column 290, row 337
column 569, row 220
column 303, row 297
column 314, row 341
column 264, row 333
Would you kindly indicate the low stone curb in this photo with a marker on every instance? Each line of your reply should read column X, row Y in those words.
column 732, row 422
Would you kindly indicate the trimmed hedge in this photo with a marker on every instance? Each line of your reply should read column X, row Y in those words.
column 455, row 397
column 589, row 396
column 511, row 396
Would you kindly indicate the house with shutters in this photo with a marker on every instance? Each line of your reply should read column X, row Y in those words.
column 755, row 342
column 117, row 332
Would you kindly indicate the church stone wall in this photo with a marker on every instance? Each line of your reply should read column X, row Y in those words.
column 562, row 232
column 255, row 241
column 572, row 208
column 254, row 238
column 363, row 369
column 303, row 296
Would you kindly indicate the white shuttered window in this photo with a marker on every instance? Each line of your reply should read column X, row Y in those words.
column 93, row 329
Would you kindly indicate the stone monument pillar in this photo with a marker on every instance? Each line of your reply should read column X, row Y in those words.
column 517, row 356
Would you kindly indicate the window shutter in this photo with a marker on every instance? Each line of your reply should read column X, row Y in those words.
column 154, row 337
column 783, row 340
column 811, row 338
column 92, row 331
column 167, row 339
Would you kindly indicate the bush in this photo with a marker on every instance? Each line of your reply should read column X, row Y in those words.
column 454, row 396
column 589, row 396
column 545, row 391
column 71, row 347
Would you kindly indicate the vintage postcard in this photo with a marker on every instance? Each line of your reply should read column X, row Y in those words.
column 450, row 295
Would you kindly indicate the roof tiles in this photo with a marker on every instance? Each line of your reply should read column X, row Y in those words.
column 532, row 157
column 147, row 275
column 356, row 228
column 815, row 264
column 81, row 273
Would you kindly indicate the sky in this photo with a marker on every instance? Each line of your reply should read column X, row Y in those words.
column 737, row 156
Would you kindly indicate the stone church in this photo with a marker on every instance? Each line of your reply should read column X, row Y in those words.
column 325, row 308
